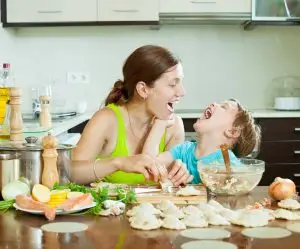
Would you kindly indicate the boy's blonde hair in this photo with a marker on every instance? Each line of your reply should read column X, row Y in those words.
column 250, row 136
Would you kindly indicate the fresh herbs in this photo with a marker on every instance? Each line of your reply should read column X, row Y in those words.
column 126, row 196
column 6, row 205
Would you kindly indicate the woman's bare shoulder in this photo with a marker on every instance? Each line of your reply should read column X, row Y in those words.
column 105, row 116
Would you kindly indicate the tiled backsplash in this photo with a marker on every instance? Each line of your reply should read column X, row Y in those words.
column 219, row 61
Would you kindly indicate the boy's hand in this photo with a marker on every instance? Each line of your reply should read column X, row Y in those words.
column 179, row 173
column 166, row 123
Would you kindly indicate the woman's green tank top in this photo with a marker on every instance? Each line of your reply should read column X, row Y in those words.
column 121, row 149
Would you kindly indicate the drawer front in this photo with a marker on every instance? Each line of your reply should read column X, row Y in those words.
column 128, row 10
column 280, row 152
column 291, row 171
column 36, row 11
column 205, row 6
column 280, row 129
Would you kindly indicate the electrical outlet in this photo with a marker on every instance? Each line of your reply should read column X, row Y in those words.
column 78, row 77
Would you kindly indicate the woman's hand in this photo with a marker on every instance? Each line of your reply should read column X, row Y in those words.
column 143, row 164
column 179, row 173
column 166, row 123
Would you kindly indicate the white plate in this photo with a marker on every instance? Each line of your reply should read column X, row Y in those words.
column 58, row 211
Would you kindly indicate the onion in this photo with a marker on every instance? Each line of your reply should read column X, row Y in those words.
column 12, row 189
column 282, row 188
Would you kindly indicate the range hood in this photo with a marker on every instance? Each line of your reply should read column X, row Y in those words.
column 276, row 12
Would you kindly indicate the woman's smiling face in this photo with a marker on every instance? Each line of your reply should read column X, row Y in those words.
column 167, row 91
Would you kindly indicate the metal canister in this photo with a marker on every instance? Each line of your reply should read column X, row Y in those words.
column 10, row 167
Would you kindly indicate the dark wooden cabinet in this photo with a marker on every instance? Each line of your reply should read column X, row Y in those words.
column 280, row 149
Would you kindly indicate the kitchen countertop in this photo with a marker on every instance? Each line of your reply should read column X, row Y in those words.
column 20, row 230
column 256, row 113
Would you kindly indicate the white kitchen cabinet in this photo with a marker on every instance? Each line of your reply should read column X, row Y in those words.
column 205, row 6
column 42, row 11
column 128, row 10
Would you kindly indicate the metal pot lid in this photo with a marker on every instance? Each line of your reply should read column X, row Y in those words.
column 31, row 144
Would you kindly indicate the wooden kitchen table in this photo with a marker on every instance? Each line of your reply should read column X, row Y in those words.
column 20, row 230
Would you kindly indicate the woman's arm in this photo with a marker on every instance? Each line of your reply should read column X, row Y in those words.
column 97, row 134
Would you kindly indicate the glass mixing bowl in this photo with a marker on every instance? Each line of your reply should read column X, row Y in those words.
column 242, row 179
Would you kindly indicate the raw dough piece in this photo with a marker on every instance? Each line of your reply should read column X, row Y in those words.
column 192, row 210
column 205, row 233
column 286, row 214
column 146, row 223
column 105, row 212
column 217, row 220
column 208, row 244
column 216, row 204
column 112, row 203
column 140, row 215
column 207, row 209
column 171, row 222
column 146, row 207
column 64, row 227
column 188, row 191
column 295, row 227
column 229, row 214
column 251, row 218
column 266, row 232
column 195, row 221
column 289, row 204
column 165, row 204
column 173, row 211
column 112, row 208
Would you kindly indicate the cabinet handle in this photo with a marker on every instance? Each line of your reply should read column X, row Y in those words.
column 49, row 11
column 297, row 129
column 195, row 1
column 297, row 175
column 126, row 11
column 297, row 152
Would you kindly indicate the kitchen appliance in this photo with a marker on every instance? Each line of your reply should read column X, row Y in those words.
column 286, row 93
column 10, row 169
column 31, row 160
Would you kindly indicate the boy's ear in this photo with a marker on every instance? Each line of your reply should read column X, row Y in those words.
column 235, row 132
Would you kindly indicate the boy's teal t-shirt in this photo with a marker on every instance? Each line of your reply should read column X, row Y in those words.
column 186, row 153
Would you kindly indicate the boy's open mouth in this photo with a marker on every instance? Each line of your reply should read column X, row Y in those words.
column 208, row 113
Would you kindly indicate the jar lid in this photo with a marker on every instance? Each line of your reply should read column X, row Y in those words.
column 31, row 144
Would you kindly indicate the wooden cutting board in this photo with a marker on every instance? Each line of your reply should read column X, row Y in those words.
column 157, row 197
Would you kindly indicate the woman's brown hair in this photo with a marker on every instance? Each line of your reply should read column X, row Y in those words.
column 250, row 137
column 146, row 64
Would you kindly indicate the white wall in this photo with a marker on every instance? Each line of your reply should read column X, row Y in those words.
column 219, row 61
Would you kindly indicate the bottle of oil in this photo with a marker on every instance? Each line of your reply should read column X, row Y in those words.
column 6, row 81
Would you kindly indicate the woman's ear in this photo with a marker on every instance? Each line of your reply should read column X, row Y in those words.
column 142, row 89
column 235, row 132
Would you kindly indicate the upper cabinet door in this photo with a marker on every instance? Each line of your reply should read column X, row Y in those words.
column 205, row 6
column 41, row 11
column 128, row 10
column 275, row 10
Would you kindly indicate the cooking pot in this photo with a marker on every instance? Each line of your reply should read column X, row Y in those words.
column 31, row 160
column 9, row 168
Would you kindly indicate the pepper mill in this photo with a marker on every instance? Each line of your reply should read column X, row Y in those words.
column 16, row 121
column 50, row 172
column 45, row 116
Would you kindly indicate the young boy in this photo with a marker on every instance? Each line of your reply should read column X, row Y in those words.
column 225, row 123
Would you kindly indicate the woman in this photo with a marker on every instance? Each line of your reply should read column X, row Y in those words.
column 144, row 99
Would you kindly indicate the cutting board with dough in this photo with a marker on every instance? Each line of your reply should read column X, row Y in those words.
column 156, row 197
